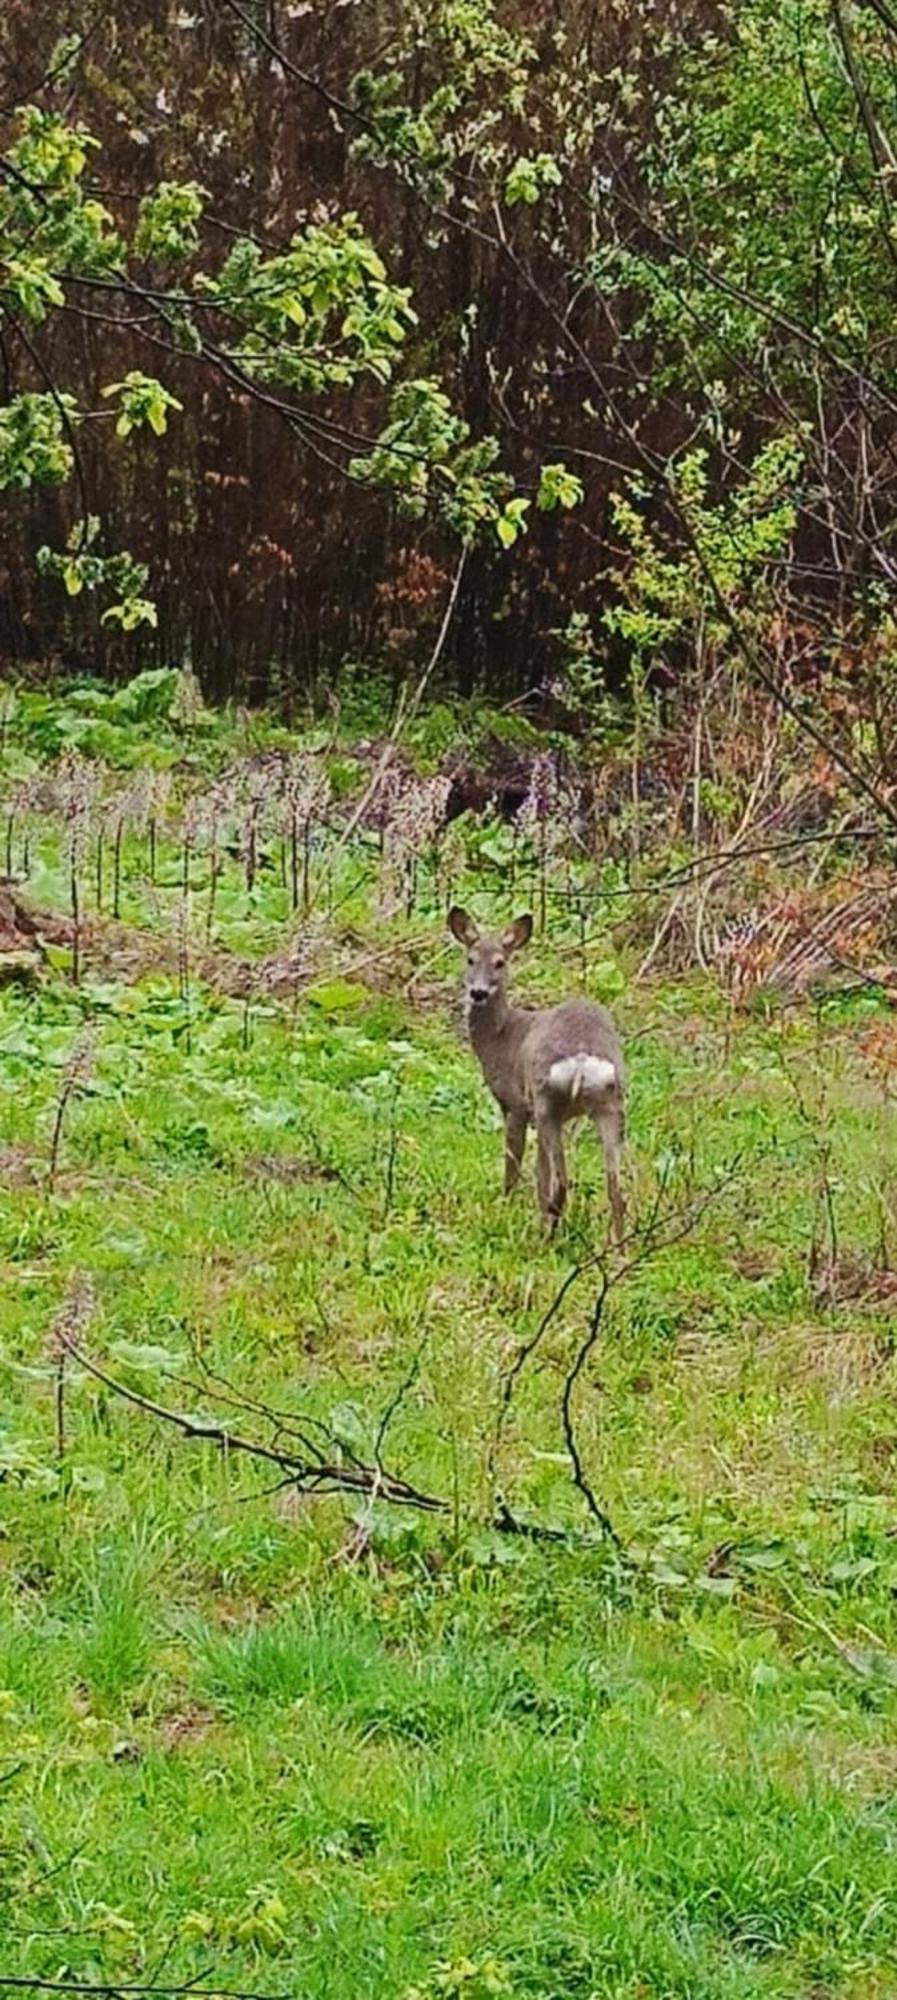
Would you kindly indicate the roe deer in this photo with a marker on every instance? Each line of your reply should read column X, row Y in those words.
column 544, row 1065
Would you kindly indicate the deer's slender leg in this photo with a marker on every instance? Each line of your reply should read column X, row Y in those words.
column 543, row 1175
column 552, row 1169
column 610, row 1128
column 515, row 1140
column 559, row 1177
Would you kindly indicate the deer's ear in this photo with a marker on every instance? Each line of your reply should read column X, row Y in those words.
column 462, row 926
column 518, row 933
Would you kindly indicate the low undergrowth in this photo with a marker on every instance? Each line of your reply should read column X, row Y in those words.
column 324, row 1745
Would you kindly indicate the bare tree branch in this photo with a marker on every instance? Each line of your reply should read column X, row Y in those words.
column 32, row 1984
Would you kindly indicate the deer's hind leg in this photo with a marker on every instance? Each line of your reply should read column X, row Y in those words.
column 609, row 1124
column 551, row 1167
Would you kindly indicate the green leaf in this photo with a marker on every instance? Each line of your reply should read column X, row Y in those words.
column 167, row 221
column 558, row 488
column 717, row 1586
column 279, row 1117
column 58, row 957
column 146, row 695
column 663, row 1572
column 338, row 996
column 133, row 611
column 144, row 400
column 607, row 978
column 761, row 1555
column 88, row 1479
column 146, row 1359
column 529, row 178
column 489, row 1550
column 348, row 1428
column 852, row 1569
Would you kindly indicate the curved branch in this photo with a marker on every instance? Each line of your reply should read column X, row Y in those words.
column 309, row 1475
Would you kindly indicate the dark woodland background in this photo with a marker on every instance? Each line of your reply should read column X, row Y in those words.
column 266, row 562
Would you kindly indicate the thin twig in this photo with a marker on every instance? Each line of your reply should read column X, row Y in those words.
column 396, row 1400
column 113, row 1986
column 583, row 1352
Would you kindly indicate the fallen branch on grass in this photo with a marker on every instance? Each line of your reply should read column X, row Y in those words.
column 309, row 1470
column 312, row 1460
column 113, row 1986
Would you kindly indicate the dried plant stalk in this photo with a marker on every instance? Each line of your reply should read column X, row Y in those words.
column 68, row 1328
column 77, row 1073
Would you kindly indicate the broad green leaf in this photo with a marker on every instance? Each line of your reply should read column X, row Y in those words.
column 338, row 996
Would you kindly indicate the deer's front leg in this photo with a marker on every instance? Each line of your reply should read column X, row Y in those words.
column 515, row 1139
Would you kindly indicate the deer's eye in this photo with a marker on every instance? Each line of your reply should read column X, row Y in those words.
column 499, row 964
column 470, row 958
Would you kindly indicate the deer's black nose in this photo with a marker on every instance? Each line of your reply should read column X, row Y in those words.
column 478, row 994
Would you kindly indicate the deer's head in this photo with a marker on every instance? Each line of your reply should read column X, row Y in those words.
column 487, row 956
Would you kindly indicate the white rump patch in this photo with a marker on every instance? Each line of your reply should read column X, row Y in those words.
column 582, row 1072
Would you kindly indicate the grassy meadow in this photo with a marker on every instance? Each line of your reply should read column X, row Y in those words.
column 322, row 1745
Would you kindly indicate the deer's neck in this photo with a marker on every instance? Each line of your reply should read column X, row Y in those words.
column 496, row 1032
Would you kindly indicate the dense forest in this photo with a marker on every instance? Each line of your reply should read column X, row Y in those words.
column 601, row 296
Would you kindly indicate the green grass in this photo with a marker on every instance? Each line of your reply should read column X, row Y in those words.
column 464, row 1762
